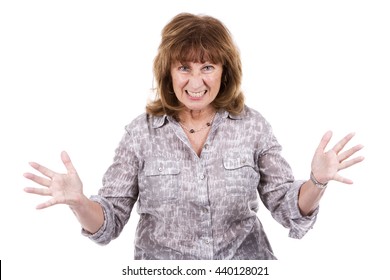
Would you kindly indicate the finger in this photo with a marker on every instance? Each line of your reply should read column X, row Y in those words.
column 348, row 163
column 47, row 204
column 38, row 191
column 45, row 171
column 324, row 142
column 51, row 202
column 341, row 179
column 67, row 162
column 341, row 144
column 37, row 179
column 345, row 155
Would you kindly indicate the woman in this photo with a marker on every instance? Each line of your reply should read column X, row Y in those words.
column 197, row 160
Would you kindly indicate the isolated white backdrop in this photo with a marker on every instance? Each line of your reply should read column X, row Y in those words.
column 74, row 73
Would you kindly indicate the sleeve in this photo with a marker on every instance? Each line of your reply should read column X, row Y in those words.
column 119, row 192
column 279, row 190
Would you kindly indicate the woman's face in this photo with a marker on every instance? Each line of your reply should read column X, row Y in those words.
column 196, row 84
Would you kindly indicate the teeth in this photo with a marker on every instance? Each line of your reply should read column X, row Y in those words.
column 196, row 94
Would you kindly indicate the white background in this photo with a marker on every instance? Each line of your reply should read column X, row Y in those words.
column 74, row 73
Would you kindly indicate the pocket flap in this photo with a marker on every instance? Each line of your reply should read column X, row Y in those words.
column 161, row 166
column 238, row 159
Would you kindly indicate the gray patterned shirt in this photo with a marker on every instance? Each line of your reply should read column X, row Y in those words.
column 200, row 207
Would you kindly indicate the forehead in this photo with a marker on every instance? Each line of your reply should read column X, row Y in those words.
column 195, row 52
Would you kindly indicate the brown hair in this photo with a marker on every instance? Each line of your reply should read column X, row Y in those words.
column 196, row 38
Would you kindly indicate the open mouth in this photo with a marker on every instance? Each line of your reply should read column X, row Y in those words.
column 196, row 94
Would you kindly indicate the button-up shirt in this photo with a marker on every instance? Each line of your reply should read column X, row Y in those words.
column 200, row 207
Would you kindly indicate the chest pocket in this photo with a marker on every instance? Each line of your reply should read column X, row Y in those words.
column 161, row 180
column 241, row 175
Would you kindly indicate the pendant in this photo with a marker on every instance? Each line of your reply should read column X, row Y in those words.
column 192, row 131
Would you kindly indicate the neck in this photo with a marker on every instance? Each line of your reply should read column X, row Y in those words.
column 196, row 117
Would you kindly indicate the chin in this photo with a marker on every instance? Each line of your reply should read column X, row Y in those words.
column 196, row 108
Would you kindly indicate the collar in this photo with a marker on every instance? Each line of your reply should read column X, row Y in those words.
column 233, row 117
column 159, row 121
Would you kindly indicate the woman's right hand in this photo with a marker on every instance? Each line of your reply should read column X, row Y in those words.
column 63, row 188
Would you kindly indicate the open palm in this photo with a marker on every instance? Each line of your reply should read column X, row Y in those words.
column 63, row 188
column 327, row 164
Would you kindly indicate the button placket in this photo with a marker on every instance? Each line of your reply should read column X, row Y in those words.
column 205, row 229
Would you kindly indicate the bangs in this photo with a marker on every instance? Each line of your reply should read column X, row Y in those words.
column 196, row 50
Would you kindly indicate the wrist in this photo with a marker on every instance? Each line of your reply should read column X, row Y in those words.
column 318, row 184
column 79, row 203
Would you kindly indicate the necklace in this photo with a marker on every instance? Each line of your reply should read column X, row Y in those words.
column 191, row 130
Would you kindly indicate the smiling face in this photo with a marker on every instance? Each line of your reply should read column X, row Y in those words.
column 196, row 85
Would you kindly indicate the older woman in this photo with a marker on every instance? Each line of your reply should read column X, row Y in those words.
column 197, row 160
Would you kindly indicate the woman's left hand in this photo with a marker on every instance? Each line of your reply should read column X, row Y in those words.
column 326, row 164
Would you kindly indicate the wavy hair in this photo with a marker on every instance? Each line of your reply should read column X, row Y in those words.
column 196, row 38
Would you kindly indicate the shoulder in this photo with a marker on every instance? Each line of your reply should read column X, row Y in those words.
column 251, row 113
column 144, row 122
column 137, row 122
column 256, row 125
column 252, row 116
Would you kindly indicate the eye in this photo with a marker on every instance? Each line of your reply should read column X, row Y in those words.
column 183, row 68
column 208, row 68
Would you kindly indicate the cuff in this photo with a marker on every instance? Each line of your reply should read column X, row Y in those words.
column 101, row 235
column 299, row 225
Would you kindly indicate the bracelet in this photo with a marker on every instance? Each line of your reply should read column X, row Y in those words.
column 316, row 183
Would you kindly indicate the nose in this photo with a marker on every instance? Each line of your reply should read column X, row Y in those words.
column 195, row 80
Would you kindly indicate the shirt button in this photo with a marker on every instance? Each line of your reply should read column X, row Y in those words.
column 202, row 176
column 243, row 160
column 206, row 241
column 160, row 169
column 206, row 146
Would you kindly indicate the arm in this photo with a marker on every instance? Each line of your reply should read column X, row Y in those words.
column 325, row 167
column 66, row 189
